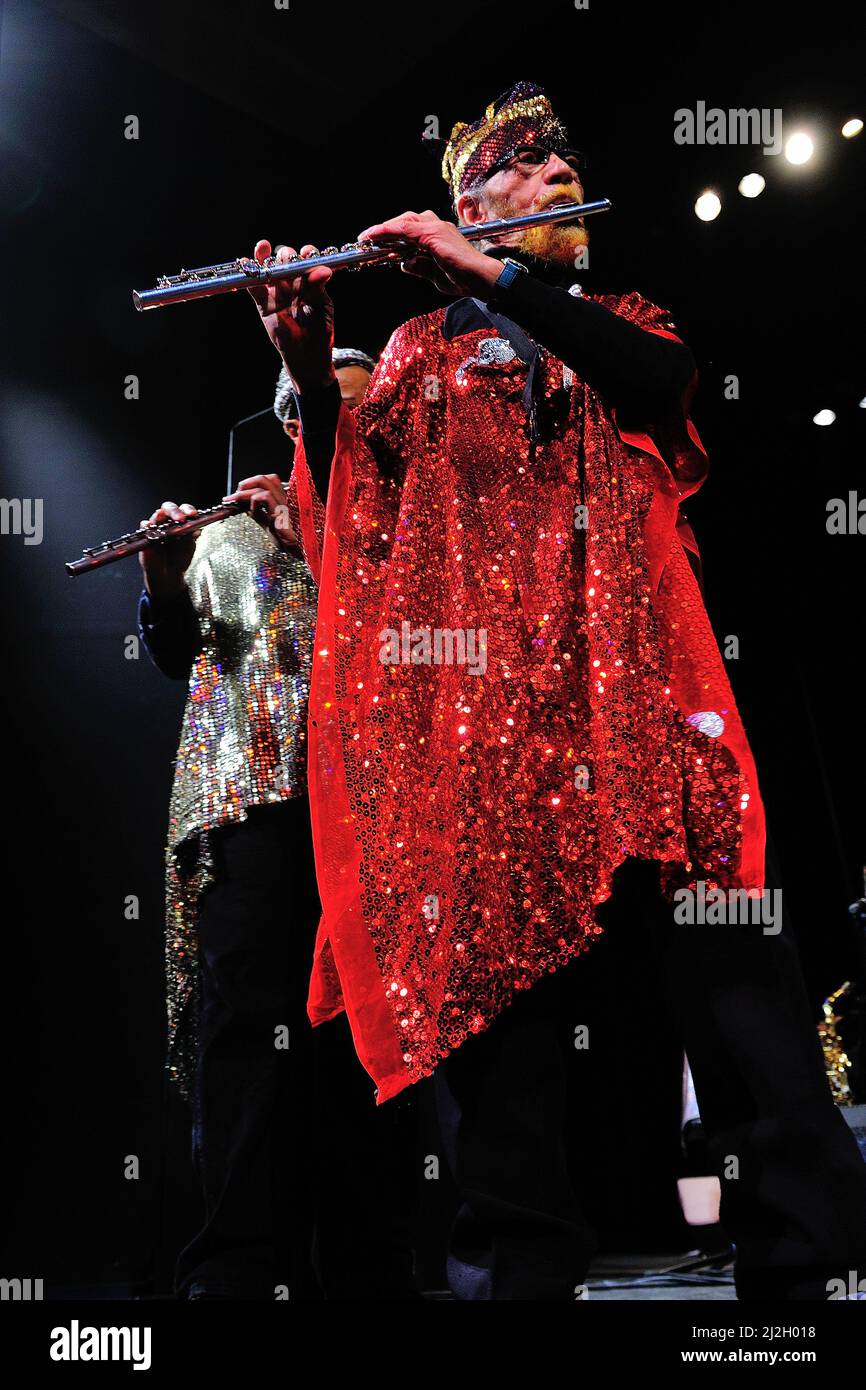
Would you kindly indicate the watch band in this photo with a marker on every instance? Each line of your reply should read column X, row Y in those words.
column 510, row 269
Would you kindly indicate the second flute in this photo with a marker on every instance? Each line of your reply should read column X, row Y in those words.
column 133, row 541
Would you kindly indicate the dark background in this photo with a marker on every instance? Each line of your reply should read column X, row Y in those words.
column 305, row 125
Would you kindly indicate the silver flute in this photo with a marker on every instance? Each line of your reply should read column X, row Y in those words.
column 241, row 275
column 130, row 544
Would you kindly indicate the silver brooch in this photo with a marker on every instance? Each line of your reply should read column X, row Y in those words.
column 491, row 352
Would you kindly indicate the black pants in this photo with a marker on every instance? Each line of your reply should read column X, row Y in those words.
column 793, row 1181
column 279, row 1132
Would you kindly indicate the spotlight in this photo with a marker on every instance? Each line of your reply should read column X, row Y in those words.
column 752, row 185
column 824, row 417
column 852, row 127
column 799, row 148
column 708, row 206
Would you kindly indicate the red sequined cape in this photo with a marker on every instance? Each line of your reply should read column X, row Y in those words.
column 468, row 814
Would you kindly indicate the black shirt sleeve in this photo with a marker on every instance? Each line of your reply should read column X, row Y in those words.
column 319, row 411
column 170, row 631
column 631, row 367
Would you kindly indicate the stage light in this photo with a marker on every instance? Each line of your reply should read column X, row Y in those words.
column 852, row 127
column 799, row 148
column 708, row 206
column 863, row 403
column 752, row 185
column 824, row 417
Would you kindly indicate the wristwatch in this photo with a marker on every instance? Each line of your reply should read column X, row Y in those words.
column 509, row 270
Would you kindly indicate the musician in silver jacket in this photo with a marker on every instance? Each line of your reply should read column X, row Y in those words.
column 233, row 611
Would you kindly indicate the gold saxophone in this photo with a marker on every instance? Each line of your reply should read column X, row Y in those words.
column 837, row 1063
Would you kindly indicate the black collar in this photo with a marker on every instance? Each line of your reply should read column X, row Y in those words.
column 464, row 316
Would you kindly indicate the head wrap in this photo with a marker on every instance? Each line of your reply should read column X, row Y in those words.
column 353, row 357
column 285, row 400
column 521, row 116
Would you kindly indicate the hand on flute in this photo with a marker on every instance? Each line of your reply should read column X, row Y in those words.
column 298, row 315
column 435, row 250
column 165, row 563
column 266, row 496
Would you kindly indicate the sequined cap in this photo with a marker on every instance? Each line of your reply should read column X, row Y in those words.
column 243, row 737
column 520, row 116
